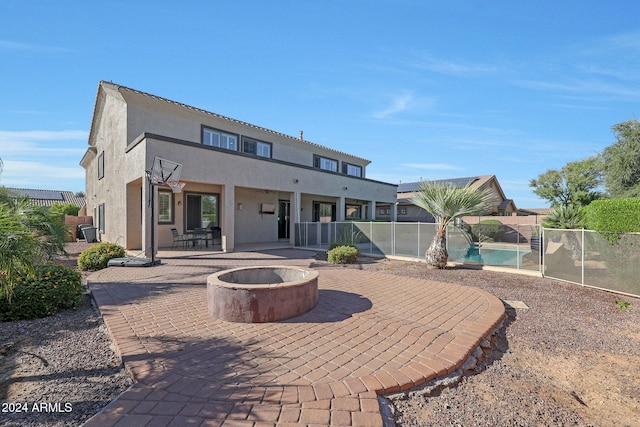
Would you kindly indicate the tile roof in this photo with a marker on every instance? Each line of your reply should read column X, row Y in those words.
column 47, row 197
column 408, row 187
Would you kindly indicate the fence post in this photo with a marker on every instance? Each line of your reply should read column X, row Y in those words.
column 370, row 237
column 543, row 239
column 582, row 260
column 418, row 239
column 393, row 238
column 517, row 246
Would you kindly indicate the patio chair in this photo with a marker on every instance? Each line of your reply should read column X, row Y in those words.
column 178, row 239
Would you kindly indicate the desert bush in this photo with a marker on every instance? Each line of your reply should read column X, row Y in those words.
column 343, row 255
column 96, row 257
column 614, row 215
column 51, row 289
column 489, row 229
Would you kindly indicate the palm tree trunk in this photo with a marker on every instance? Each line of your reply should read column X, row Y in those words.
column 437, row 255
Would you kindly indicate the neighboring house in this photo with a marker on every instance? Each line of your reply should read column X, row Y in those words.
column 48, row 197
column 408, row 212
column 251, row 182
column 541, row 212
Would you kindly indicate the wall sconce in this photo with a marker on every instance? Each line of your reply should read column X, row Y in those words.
column 179, row 202
column 345, row 188
column 239, row 206
column 295, row 181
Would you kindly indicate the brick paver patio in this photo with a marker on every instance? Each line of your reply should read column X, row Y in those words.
column 370, row 334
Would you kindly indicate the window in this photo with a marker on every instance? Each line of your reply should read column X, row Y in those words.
column 101, row 165
column 324, row 212
column 165, row 207
column 325, row 163
column 101, row 218
column 402, row 211
column 352, row 170
column 353, row 212
column 258, row 148
column 216, row 138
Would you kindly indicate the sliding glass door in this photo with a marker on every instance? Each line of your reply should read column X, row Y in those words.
column 201, row 211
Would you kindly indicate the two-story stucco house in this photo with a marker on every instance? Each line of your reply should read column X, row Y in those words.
column 251, row 182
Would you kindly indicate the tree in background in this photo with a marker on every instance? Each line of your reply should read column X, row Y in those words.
column 576, row 183
column 447, row 203
column 621, row 161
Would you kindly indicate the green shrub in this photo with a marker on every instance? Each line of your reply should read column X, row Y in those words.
column 611, row 217
column 97, row 256
column 489, row 228
column 59, row 210
column 51, row 289
column 343, row 255
column 614, row 215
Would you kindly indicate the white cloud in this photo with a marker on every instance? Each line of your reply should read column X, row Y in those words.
column 403, row 102
column 42, row 135
column 426, row 61
column 13, row 45
column 14, row 170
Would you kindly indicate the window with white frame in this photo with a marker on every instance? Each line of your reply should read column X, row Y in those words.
column 165, row 207
column 101, row 219
column 217, row 138
column 325, row 163
column 353, row 170
column 101, row 165
column 258, row 148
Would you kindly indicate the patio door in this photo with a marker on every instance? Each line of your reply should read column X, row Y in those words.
column 201, row 210
column 284, row 211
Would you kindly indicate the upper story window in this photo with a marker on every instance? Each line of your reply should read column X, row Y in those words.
column 216, row 138
column 325, row 163
column 258, row 148
column 101, row 165
column 352, row 170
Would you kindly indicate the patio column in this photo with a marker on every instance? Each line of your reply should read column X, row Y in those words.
column 146, row 218
column 228, row 205
column 341, row 208
column 294, row 215
column 372, row 209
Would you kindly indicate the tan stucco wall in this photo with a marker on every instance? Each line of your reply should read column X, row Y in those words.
column 119, row 130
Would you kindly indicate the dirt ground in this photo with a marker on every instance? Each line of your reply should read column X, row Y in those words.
column 571, row 358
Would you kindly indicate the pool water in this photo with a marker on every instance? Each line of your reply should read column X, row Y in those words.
column 493, row 256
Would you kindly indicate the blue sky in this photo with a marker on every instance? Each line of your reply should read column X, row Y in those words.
column 423, row 89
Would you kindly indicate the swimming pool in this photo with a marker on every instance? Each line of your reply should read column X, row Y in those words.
column 505, row 257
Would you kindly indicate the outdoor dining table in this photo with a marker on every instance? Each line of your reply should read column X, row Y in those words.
column 198, row 235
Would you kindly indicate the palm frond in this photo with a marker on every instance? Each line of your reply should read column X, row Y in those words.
column 446, row 202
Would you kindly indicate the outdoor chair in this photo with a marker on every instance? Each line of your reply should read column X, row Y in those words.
column 178, row 239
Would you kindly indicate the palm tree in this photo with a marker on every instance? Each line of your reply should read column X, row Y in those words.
column 567, row 217
column 447, row 202
column 29, row 236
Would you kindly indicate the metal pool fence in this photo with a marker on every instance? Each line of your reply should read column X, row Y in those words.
column 583, row 257
column 608, row 261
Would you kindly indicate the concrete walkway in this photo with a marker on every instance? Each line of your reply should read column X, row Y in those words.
column 370, row 334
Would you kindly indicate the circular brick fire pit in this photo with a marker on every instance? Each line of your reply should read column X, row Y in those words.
column 261, row 294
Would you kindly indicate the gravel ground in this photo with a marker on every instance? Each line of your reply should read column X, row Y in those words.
column 571, row 359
